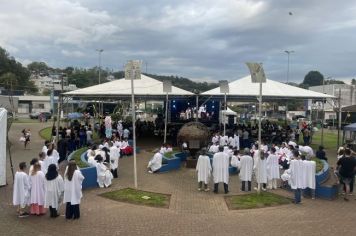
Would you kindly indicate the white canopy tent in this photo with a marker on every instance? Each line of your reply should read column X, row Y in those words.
column 146, row 86
column 244, row 89
column 3, row 130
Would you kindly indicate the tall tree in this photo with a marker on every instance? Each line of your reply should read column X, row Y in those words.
column 12, row 72
column 313, row 78
column 353, row 81
column 38, row 67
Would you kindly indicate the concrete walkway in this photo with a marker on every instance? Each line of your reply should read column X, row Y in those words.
column 190, row 212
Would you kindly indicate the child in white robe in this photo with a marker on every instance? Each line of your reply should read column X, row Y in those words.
column 37, row 200
column 272, row 169
column 204, row 171
column 21, row 192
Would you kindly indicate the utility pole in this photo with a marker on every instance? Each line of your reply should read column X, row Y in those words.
column 288, row 55
column 339, row 125
column 101, row 107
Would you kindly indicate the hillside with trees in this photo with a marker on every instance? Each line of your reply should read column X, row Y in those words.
column 13, row 76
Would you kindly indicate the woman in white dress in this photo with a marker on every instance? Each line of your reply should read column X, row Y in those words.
column 104, row 176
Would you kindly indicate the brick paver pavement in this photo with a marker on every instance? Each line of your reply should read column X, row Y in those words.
column 190, row 212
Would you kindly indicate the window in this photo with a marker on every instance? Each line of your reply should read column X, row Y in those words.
column 41, row 106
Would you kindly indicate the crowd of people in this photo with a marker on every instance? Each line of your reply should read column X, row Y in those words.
column 41, row 187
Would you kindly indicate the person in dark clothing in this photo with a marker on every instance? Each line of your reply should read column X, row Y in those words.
column 321, row 154
column 347, row 169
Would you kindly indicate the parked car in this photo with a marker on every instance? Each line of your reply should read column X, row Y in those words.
column 35, row 115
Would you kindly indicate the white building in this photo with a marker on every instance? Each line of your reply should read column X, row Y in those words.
column 346, row 92
column 52, row 82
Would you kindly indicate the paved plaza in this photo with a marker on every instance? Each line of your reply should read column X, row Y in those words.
column 190, row 212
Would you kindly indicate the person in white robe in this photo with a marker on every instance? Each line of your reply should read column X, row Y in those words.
column 45, row 147
column 155, row 163
column 307, row 151
column 236, row 142
column 126, row 134
column 120, row 129
column 163, row 149
column 114, row 160
column 245, row 166
column 296, row 174
column 51, row 158
column 235, row 159
column 104, row 176
column 204, row 171
column 310, row 169
column 73, row 179
column 54, row 186
column 37, row 199
column 223, row 140
column 221, row 164
column 214, row 148
column 215, row 139
column 21, row 191
column 260, row 169
column 272, row 169
column 231, row 142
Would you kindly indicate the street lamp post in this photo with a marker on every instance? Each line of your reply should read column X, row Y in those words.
column 288, row 56
column 99, row 55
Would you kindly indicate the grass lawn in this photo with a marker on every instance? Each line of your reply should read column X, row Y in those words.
column 134, row 196
column 330, row 139
column 76, row 157
column 254, row 200
column 46, row 133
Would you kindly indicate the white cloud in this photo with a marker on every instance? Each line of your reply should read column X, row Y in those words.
column 74, row 53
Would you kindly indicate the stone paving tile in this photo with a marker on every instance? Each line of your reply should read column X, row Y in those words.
column 190, row 213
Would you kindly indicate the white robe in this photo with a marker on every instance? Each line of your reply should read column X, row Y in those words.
column 38, row 188
column 245, row 166
column 114, row 157
column 204, row 169
column 22, row 188
column 235, row 162
column 215, row 139
column 104, row 176
column 297, row 174
column 231, row 142
column 156, row 162
column 272, row 167
column 54, row 191
column 73, row 188
column 307, row 150
column 52, row 159
column 214, row 148
column 44, row 150
column 223, row 140
column 310, row 168
column 260, row 167
column 221, row 164
column 237, row 142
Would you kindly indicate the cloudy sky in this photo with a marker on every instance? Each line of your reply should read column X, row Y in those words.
column 199, row 39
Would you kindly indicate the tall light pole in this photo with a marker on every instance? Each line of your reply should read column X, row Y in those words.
column 99, row 55
column 288, row 53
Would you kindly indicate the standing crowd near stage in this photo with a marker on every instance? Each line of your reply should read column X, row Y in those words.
column 282, row 163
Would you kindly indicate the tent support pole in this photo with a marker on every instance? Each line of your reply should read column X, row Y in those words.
column 165, row 120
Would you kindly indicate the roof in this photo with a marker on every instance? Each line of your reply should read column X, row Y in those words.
column 34, row 98
column 350, row 127
column 146, row 86
column 244, row 88
column 351, row 108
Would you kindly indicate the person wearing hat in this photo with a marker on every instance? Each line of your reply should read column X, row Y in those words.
column 204, row 170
